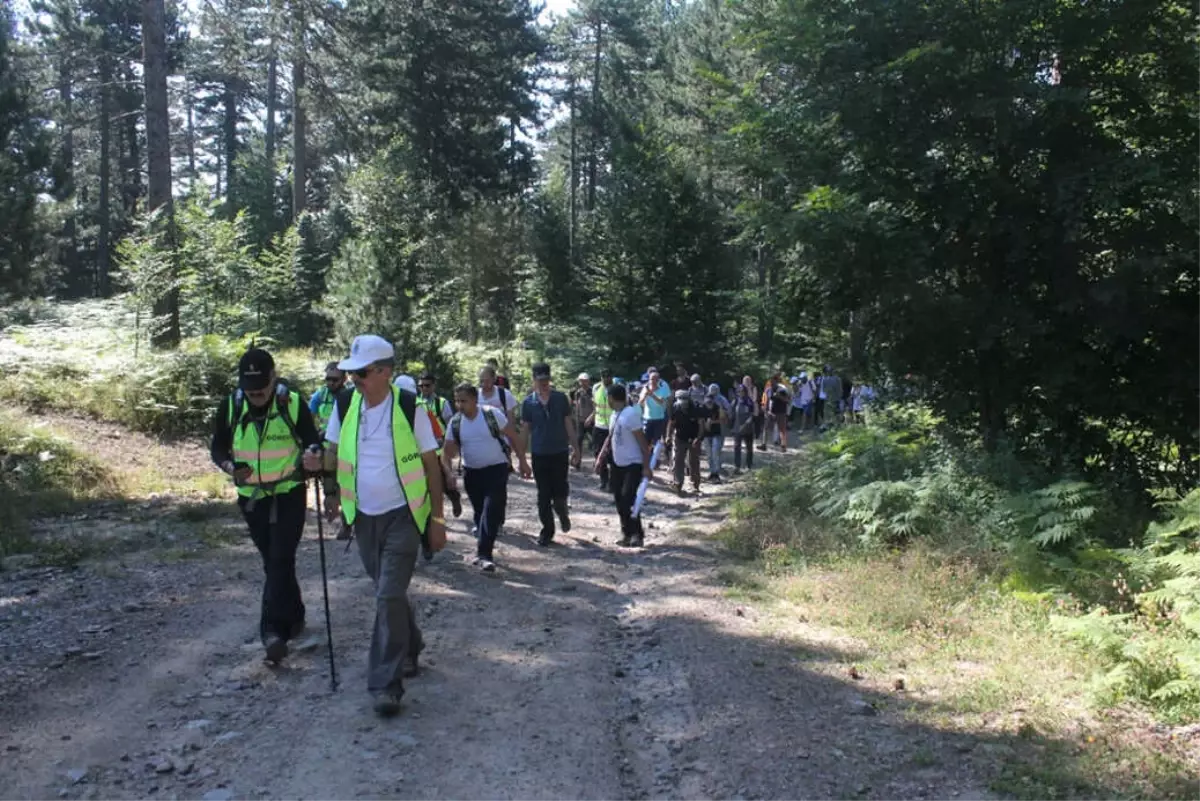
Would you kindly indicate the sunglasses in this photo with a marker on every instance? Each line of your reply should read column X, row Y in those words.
column 332, row 379
column 363, row 373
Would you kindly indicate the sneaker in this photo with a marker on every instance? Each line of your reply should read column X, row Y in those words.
column 637, row 542
column 276, row 647
column 475, row 532
column 565, row 522
column 487, row 566
column 545, row 539
column 624, row 541
column 387, row 703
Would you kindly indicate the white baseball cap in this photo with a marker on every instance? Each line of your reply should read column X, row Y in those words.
column 365, row 350
column 406, row 382
column 584, row 377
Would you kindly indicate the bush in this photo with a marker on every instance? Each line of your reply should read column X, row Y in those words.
column 41, row 474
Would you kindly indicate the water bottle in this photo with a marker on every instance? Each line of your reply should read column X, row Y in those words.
column 658, row 446
column 641, row 497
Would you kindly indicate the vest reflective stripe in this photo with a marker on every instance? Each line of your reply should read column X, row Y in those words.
column 410, row 470
column 273, row 456
column 603, row 410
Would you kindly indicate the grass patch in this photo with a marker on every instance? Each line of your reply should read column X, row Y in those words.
column 42, row 474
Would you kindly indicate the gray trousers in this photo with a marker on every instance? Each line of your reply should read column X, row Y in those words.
column 389, row 544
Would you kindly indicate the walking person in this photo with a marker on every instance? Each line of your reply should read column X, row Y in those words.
column 322, row 402
column 478, row 433
column 831, row 386
column 684, row 431
column 389, row 487
column 584, row 405
column 655, row 401
column 600, row 421
column 743, row 416
column 259, row 435
column 499, row 396
column 716, row 422
column 549, row 434
column 433, row 408
column 627, row 451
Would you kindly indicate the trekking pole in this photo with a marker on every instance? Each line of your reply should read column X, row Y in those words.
column 325, row 584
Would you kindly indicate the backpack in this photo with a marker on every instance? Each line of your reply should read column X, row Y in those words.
column 493, row 428
column 282, row 393
column 408, row 404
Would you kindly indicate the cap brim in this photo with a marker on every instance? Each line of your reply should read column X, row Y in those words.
column 353, row 363
column 252, row 383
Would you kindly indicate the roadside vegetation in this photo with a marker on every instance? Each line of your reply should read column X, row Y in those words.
column 987, row 596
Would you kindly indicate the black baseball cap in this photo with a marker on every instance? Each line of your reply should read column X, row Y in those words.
column 541, row 370
column 255, row 369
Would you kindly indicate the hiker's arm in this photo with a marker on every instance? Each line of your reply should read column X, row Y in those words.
column 428, row 446
column 449, row 451
column 221, row 448
column 527, row 429
column 569, row 423
column 518, row 443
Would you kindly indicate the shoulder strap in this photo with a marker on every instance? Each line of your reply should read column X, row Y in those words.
column 500, row 395
column 408, row 404
column 283, row 400
column 494, row 428
column 341, row 403
column 456, row 428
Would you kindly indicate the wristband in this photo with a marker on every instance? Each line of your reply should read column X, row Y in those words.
column 441, row 520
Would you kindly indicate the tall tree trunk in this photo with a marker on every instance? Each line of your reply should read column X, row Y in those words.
column 103, row 256
column 594, row 154
column 131, row 187
column 158, row 158
column 299, row 123
column 191, row 134
column 573, row 184
column 66, row 191
column 272, row 102
column 229, row 132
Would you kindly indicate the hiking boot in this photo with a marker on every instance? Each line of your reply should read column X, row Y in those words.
column 624, row 541
column 276, row 648
column 564, row 521
column 637, row 542
column 387, row 703
column 545, row 539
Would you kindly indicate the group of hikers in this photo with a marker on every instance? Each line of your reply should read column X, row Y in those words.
column 385, row 447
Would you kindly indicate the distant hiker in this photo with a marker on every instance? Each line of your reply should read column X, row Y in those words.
column 777, row 403
column 681, row 380
column 752, row 393
column 831, row 386
column 584, row 405
column 322, row 401
column 627, row 453
column 260, row 433
column 501, row 381
column 717, row 419
column 389, row 487
column 479, row 434
column 437, row 421
column 549, row 431
column 744, row 409
column 492, row 393
column 684, row 431
column 805, row 395
column 655, row 401
column 600, row 420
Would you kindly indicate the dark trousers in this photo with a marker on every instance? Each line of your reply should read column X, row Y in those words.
column 624, row 482
column 276, row 523
column 553, row 487
column 740, row 441
column 598, row 437
column 487, row 487
column 687, row 456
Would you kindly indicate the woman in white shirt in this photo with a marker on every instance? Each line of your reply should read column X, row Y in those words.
column 629, row 451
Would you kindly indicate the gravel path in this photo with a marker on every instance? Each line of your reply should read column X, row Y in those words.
column 580, row 671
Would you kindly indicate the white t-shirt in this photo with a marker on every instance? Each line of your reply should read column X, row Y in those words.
column 806, row 393
column 478, row 447
column 625, row 447
column 379, row 489
column 493, row 399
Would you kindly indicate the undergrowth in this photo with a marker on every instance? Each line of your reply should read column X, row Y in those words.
column 42, row 474
column 940, row 556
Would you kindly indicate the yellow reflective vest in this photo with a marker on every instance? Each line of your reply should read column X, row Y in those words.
column 273, row 452
column 409, row 467
column 603, row 410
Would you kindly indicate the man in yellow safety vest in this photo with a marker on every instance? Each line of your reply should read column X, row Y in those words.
column 389, row 487
column 260, row 431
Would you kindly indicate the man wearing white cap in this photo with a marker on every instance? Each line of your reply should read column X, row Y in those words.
column 389, row 487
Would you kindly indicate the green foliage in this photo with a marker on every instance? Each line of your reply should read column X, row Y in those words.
column 44, row 474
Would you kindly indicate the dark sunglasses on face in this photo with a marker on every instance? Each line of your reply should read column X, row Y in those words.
column 363, row 373
column 332, row 379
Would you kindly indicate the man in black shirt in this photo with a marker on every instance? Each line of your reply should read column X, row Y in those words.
column 260, row 434
column 684, row 431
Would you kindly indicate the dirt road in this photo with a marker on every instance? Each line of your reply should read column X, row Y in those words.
column 579, row 671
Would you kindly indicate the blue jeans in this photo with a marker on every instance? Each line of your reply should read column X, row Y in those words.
column 715, row 443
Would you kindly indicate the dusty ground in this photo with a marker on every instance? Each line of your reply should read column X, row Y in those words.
column 581, row 671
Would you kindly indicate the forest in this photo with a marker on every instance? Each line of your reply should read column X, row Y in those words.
column 987, row 209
